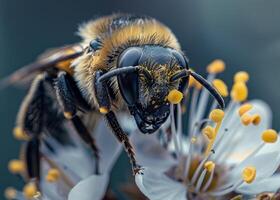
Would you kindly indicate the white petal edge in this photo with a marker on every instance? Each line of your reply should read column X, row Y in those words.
column 91, row 188
column 271, row 184
column 157, row 186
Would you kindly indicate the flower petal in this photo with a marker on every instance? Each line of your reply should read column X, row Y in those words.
column 271, row 184
column 157, row 186
column 241, row 140
column 150, row 153
column 91, row 188
column 265, row 164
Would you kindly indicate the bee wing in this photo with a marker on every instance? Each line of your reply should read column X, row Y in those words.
column 46, row 60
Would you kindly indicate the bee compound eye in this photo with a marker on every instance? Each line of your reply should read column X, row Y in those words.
column 130, row 57
column 182, row 60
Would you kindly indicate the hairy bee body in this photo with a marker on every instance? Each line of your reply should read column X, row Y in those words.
column 114, row 34
column 123, row 62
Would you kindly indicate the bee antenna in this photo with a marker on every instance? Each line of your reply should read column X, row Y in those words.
column 181, row 74
column 118, row 71
column 209, row 87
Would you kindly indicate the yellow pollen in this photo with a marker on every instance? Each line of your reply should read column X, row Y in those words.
column 216, row 66
column 209, row 166
column 16, row 166
column 269, row 136
column 68, row 115
column 10, row 193
column 209, row 132
column 103, row 110
column 53, row 175
column 30, row 190
column 192, row 81
column 249, row 174
column 175, row 96
column 20, row 134
column 244, row 108
column 241, row 76
column 217, row 115
column 193, row 140
column 239, row 92
column 246, row 119
column 221, row 87
column 256, row 119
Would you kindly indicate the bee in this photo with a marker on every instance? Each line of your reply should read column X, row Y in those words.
column 123, row 61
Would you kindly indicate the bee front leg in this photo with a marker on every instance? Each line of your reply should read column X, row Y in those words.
column 103, row 99
column 65, row 90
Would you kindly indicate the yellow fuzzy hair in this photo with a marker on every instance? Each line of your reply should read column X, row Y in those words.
column 144, row 32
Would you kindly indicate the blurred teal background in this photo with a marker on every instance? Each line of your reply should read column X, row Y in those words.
column 246, row 34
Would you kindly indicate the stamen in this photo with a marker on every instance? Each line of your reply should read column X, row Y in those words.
column 193, row 110
column 175, row 96
column 10, row 193
column 198, row 169
column 209, row 132
column 53, row 175
column 241, row 76
column 249, row 174
column 221, row 87
column 209, row 181
column 20, row 134
column 209, row 166
column 173, row 131
column 216, row 66
column 246, row 119
column 269, row 136
column 244, row 108
column 179, row 126
column 30, row 190
column 16, row 166
column 217, row 116
column 256, row 119
column 239, row 92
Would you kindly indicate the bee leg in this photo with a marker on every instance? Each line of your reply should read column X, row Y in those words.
column 123, row 138
column 103, row 99
column 32, row 157
column 29, row 124
column 68, row 103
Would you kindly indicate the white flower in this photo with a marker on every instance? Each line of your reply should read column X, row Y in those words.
column 237, row 153
column 74, row 166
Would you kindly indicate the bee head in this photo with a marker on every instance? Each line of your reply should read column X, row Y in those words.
column 146, row 88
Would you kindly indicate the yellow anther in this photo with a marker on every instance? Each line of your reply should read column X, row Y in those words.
column 53, row 175
column 256, row 119
column 175, row 96
column 239, row 92
column 68, row 115
column 10, row 193
column 209, row 166
column 216, row 66
column 241, row 77
column 103, row 110
column 244, row 108
column 16, row 166
column 221, row 87
column 249, row 174
column 209, row 132
column 269, row 136
column 30, row 190
column 193, row 140
column 246, row 119
column 192, row 81
column 20, row 134
column 217, row 115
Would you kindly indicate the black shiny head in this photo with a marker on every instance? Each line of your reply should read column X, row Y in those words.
column 145, row 90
